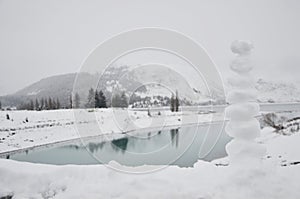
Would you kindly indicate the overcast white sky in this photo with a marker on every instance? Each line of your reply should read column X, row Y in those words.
column 43, row 38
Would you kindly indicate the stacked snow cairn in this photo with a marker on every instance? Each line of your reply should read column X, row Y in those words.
column 243, row 151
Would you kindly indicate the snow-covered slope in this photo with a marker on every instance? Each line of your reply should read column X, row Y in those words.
column 277, row 92
column 142, row 82
column 114, row 79
column 55, row 87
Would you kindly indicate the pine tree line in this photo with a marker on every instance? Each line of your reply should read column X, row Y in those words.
column 41, row 104
column 96, row 99
column 119, row 100
column 174, row 103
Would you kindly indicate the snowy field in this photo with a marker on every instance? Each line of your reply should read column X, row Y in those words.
column 26, row 129
column 279, row 178
column 204, row 180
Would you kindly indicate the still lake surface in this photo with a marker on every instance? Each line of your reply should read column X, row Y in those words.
column 180, row 146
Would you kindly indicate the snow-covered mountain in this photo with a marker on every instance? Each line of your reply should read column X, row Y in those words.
column 162, row 81
column 59, row 86
column 277, row 92
column 115, row 79
column 142, row 82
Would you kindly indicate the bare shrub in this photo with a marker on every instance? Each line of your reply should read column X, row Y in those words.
column 272, row 120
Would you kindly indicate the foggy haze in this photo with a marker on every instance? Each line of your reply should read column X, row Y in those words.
column 44, row 38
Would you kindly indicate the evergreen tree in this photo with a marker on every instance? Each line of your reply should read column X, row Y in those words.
column 57, row 104
column 116, row 100
column 77, row 100
column 54, row 104
column 97, row 100
column 46, row 104
column 176, row 102
column 70, row 102
column 124, row 102
column 172, row 103
column 42, row 102
column 102, row 100
column 31, row 105
column 91, row 99
column 50, row 104
column 37, row 105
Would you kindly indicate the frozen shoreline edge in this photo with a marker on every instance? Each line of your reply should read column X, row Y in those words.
column 123, row 134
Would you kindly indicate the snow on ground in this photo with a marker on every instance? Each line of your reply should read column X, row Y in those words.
column 278, row 177
column 26, row 129
column 204, row 180
column 283, row 149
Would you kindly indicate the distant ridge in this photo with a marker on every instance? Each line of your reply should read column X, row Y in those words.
column 61, row 86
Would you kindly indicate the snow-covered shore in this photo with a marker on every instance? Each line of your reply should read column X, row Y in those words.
column 278, row 178
column 26, row 129
column 204, row 180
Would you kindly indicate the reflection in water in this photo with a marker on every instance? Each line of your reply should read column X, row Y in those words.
column 94, row 147
column 174, row 136
column 149, row 135
column 71, row 146
column 151, row 148
column 120, row 144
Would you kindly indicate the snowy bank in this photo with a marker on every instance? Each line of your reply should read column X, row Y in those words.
column 25, row 129
column 204, row 180
column 26, row 180
column 278, row 178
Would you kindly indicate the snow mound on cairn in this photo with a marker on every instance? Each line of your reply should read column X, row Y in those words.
column 241, row 47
